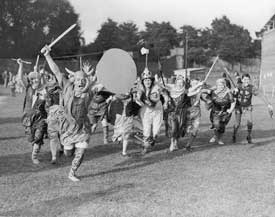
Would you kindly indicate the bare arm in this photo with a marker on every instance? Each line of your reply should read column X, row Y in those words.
column 196, row 87
column 20, row 73
column 233, row 104
column 192, row 92
column 55, row 69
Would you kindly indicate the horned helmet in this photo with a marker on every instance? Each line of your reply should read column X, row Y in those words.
column 80, row 78
column 35, row 78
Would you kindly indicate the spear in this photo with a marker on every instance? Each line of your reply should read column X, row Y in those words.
column 228, row 75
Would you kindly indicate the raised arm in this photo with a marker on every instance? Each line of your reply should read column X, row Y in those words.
column 20, row 73
column 192, row 91
column 262, row 96
column 197, row 87
column 55, row 69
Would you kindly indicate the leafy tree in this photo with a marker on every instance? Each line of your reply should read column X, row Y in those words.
column 230, row 41
column 27, row 25
column 108, row 36
column 198, row 44
column 160, row 38
column 254, row 50
column 128, row 36
column 114, row 35
column 192, row 35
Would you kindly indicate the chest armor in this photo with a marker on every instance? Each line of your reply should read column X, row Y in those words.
column 153, row 96
column 79, row 111
column 98, row 98
column 245, row 96
column 38, row 106
column 195, row 100
column 221, row 102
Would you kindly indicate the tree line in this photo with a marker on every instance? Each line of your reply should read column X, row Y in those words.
column 26, row 25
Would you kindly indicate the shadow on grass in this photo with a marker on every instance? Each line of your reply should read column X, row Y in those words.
column 262, row 143
column 136, row 160
column 21, row 163
column 10, row 138
column 4, row 94
column 10, row 120
column 60, row 205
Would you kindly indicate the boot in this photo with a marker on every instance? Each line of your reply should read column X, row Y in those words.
column 144, row 151
column 125, row 145
column 235, row 129
column 220, row 142
column 249, row 131
column 189, row 143
column 105, row 135
column 73, row 177
column 54, row 144
column 93, row 128
column 78, row 158
column 146, row 145
column 173, row 145
column 35, row 151
column 213, row 139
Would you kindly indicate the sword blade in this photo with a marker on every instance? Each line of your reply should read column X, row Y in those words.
column 62, row 35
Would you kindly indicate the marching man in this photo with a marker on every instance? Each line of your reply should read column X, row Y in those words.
column 151, row 112
column 222, row 107
column 193, row 111
column 176, row 112
column 244, row 108
column 73, row 120
column 34, row 113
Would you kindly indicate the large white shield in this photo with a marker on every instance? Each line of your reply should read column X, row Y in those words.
column 117, row 71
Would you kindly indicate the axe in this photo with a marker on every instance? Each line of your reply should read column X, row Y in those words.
column 146, row 52
column 23, row 61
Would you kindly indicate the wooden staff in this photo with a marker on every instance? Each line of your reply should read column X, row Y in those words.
column 80, row 63
column 37, row 61
column 210, row 70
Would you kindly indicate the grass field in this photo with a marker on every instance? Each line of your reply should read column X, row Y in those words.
column 234, row 180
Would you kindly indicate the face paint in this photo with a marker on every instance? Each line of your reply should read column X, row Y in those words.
column 79, row 81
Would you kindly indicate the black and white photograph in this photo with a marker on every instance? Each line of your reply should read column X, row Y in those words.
column 137, row 108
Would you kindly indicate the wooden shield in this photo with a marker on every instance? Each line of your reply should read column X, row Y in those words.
column 117, row 71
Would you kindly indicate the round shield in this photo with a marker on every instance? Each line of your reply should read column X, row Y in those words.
column 117, row 71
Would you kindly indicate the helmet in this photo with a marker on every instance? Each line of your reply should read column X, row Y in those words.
column 146, row 74
column 33, row 75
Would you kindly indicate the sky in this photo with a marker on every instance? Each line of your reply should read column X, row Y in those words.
column 251, row 14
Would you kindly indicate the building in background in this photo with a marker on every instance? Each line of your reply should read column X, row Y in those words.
column 267, row 72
